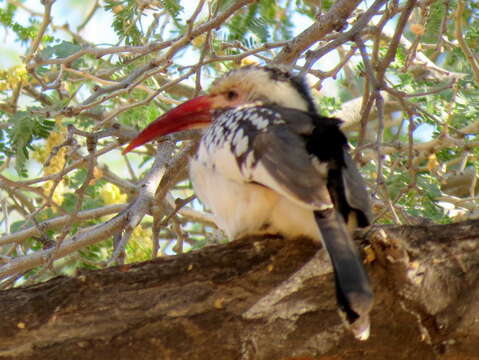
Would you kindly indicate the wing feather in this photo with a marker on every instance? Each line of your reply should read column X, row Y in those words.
column 355, row 191
column 284, row 165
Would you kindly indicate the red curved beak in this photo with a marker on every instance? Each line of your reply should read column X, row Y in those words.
column 195, row 113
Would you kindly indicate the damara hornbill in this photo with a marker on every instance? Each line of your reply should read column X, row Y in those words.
column 269, row 163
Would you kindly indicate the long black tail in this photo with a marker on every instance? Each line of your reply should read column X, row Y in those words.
column 353, row 291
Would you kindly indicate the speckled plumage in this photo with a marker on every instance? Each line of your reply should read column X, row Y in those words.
column 237, row 127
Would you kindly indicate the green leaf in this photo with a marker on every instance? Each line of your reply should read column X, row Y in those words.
column 173, row 7
column 24, row 33
column 21, row 136
column 25, row 129
column 438, row 12
column 62, row 50
column 125, row 22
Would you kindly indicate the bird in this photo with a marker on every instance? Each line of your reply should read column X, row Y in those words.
column 269, row 163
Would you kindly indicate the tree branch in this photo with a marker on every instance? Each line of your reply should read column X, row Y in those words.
column 257, row 298
column 334, row 19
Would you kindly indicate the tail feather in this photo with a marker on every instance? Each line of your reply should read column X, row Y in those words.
column 353, row 290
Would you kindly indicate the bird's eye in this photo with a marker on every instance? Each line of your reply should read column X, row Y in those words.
column 231, row 95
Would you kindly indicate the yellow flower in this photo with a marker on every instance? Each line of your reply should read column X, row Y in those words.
column 59, row 193
column 111, row 194
column 139, row 245
column 10, row 78
column 199, row 41
column 432, row 162
column 41, row 154
column 249, row 61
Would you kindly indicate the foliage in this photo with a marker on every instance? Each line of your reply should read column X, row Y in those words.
column 62, row 122
column 25, row 128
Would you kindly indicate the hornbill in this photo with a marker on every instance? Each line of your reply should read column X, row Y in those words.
column 269, row 163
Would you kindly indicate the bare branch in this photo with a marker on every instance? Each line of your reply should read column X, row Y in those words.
column 334, row 19
column 58, row 222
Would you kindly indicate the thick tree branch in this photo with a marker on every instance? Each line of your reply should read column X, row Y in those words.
column 257, row 298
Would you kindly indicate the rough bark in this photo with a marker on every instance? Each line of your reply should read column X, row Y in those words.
column 257, row 298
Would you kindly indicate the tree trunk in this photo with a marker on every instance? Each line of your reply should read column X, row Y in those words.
column 258, row 298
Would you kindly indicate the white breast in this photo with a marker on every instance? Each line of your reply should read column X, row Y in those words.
column 241, row 207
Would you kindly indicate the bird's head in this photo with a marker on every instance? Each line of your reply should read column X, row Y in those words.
column 250, row 84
